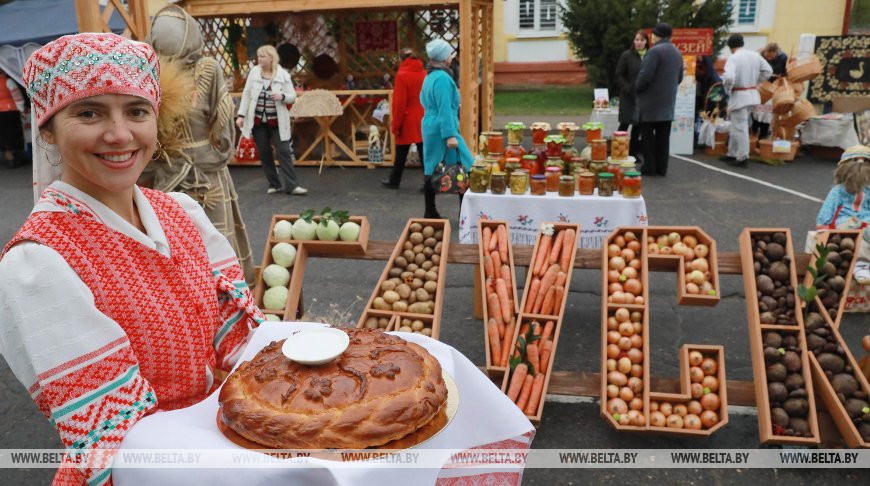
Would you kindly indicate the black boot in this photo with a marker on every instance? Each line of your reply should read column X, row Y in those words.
column 429, row 197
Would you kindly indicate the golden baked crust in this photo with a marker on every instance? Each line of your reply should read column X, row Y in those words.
column 382, row 388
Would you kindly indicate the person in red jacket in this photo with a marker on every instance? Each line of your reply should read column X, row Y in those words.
column 407, row 113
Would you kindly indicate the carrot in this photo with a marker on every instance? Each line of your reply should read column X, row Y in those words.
column 534, row 288
column 493, row 242
column 546, row 352
column 557, row 299
column 494, row 309
column 488, row 269
column 536, row 328
column 535, row 396
column 525, row 392
column 541, row 256
column 532, row 357
column 503, row 299
column 506, row 342
column 502, row 243
column 509, row 283
column 486, row 238
column 501, row 329
column 547, row 304
column 548, row 331
column 494, row 342
column 557, row 248
column 519, row 376
column 546, row 283
column 496, row 261
column 568, row 248
column 524, row 329
column 561, row 277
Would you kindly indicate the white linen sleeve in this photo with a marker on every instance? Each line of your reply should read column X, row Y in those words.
column 216, row 244
column 47, row 313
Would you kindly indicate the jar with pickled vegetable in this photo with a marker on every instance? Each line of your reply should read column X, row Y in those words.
column 568, row 131
column 494, row 142
column 519, row 182
column 566, row 185
column 530, row 163
column 594, row 130
column 586, row 183
column 539, row 132
column 605, row 184
column 599, row 149
column 478, row 177
column 632, row 185
column 615, row 168
column 625, row 168
column 552, row 178
column 579, row 163
column 554, row 145
column 497, row 182
column 491, row 163
column 619, row 145
column 540, row 153
column 515, row 132
column 554, row 162
column 511, row 165
column 568, row 154
column 597, row 166
column 539, row 185
column 514, row 151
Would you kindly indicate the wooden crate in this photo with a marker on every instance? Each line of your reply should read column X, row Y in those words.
column 492, row 370
column 822, row 238
column 294, row 286
column 328, row 248
column 661, row 262
column 556, row 317
column 756, row 329
column 435, row 319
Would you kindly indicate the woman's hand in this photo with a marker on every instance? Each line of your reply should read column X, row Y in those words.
column 452, row 142
column 277, row 96
column 240, row 122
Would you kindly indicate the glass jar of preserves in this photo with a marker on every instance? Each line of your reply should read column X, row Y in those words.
column 605, row 184
column 511, row 165
column 479, row 177
column 515, row 132
column 530, row 163
column 540, row 153
column 594, row 131
column 567, row 130
column 497, row 182
column 554, row 162
column 586, row 183
column 554, row 145
column 619, row 145
column 615, row 167
column 597, row 166
column 494, row 142
column 514, row 151
column 632, row 185
column 568, row 154
column 566, row 185
column 579, row 162
column 519, row 182
column 539, row 185
column 625, row 168
column 539, row 132
column 599, row 149
column 491, row 163
column 552, row 178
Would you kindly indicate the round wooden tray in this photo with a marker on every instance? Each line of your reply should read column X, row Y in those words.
column 421, row 435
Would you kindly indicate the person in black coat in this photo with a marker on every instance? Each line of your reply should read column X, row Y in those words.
column 661, row 72
column 778, row 61
column 626, row 74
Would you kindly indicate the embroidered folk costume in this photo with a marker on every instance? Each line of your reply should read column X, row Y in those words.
column 103, row 322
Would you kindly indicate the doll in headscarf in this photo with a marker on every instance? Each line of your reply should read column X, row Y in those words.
column 847, row 205
column 195, row 128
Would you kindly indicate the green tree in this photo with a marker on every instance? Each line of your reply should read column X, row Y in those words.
column 599, row 30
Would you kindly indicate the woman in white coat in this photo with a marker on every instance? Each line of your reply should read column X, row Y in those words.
column 263, row 114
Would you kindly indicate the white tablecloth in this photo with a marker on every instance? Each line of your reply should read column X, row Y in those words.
column 609, row 117
column 485, row 416
column 598, row 216
column 835, row 130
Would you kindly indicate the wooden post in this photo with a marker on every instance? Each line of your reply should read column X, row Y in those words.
column 486, row 89
column 91, row 19
column 88, row 16
column 467, row 73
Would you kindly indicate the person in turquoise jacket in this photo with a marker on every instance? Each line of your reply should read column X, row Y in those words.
column 440, row 126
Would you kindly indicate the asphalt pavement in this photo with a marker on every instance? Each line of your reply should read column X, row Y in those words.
column 702, row 192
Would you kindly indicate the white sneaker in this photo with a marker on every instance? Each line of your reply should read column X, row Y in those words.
column 299, row 191
column 271, row 190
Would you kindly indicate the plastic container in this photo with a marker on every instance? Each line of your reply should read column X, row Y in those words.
column 552, row 178
column 586, row 183
column 605, row 184
column 599, row 149
column 619, row 145
column 632, row 185
column 479, row 176
column 566, row 186
column 519, row 182
column 497, row 182
column 539, row 185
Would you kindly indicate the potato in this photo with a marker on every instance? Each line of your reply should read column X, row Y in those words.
column 428, row 252
column 420, row 258
column 437, row 248
column 418, row 248
column 431, row 286
column 388, row 285
column 430, row 242
column 394, row 272
column 426, row 332
column 416, row 238
column 404, row 329
column 436, row 258
column 420, row 273
column 439, row 234
column 412, row 298
column 420, row 308
column 372, row 323
column 401, row 262
column 404, row 290
column 422, row 295
column 400, row 306
column 380, row 304
column 398, row 281
column 416, row 227
column 428, row 231
column 416, row 284
column 427, row 265
column 412, row 267
column 408, row 245
column 431, row 275
column 390, row 296
column 409, row 255
column 406, row 322
column 407, row 276
column 383, row 322
column 417, row 325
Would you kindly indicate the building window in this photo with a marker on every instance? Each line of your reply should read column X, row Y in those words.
column 743, row 11
column 538, row 15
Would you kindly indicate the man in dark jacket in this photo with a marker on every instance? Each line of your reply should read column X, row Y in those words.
column 660, row 74
column 406, row 113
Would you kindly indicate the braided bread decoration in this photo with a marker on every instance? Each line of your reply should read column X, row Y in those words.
column 380, row 389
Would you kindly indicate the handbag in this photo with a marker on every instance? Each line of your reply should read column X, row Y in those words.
column 449, row 178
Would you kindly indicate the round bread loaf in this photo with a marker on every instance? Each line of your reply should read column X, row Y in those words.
column 380, row 389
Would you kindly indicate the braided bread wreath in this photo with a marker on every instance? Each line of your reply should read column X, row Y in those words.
column 380, row 389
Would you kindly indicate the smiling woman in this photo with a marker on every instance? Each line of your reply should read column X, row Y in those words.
column 115, row 301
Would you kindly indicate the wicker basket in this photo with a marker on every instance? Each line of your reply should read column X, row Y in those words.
column 804, row 69
column 721, row 145
column 765, row 149
column 802, row 111
column 765, row 90
column 783, row 97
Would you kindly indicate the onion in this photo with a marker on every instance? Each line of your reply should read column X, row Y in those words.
column 612, row 323
column 692, row 289
column 613, row 250
column 695, row 358
column 694, row 407
column 626, row 394
column 629, row 272
column 662, row 241
column 634, row 246
column 710, row 401
column 701, row 251
column 617, row 263
column 635, row 264
column 633, row 286
column 653, row 406
column 626, row 329
column 710, row 382
column 696, row 374
column 692, row 422
column 612, row 391
column 680, row 249
column 665, row 250
column 709, row 366
column 635, row 356
column 614, row 288
column 636, row 418
column 622, row 315
column 623, row 419
column 674, row 238
column 637, row 370
column 613, row 337
column 611, row 364
column 652, row 248
column 690, row 241
column 675, row 421
column 627, row 254
column 624, row 343
column 617, row 378
column 613, row 351
column 627, row 298
column 623, row 365
column 680, row 409
column 630, row 236
column 620, row 241
column 636, row 403
column 636, row 384
column 697, row 389
column 709, row 418
column 617, row 405
column 636, row 316
column 638, row 300
column 636, row 342
column 700, row 264
column 612, row 276
column 689, row 255
column 697, row 277
column 657, row 419
column 617, row 297
column 706, row 288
